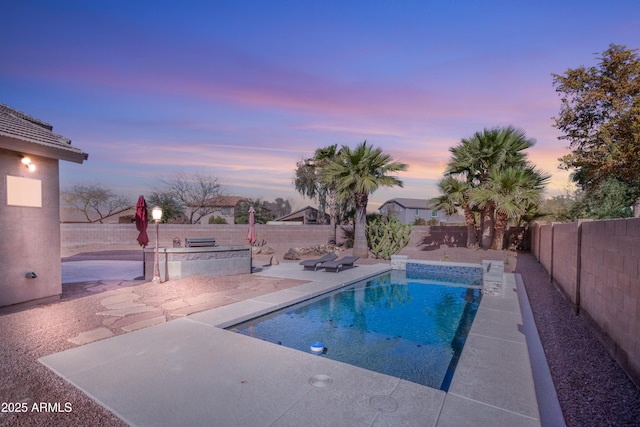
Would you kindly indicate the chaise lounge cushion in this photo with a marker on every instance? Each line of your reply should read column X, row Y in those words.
column 314, row 264
column 336, row 265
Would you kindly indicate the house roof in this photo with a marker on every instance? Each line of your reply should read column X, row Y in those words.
column 23, row 133
column 298, row 215
column 223, row 201
column 410, row 203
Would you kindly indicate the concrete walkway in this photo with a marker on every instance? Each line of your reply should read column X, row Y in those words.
column 189, row 371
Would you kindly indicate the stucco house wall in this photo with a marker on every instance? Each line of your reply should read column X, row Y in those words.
column 30, row 207
column 30, row 235
column 221, row 206
column 408, row 210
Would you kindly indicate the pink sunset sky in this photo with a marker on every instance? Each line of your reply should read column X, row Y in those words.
column 243, row 90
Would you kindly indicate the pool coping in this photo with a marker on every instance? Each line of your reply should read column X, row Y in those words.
column 493, row 384
column 520, row 402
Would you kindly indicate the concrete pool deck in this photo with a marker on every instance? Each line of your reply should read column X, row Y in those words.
column 189, row 371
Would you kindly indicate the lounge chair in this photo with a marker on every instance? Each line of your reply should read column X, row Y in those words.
column 314, row 264
column 336, row 265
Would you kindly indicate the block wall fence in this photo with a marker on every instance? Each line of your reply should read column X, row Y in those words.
column 76, row 238
column 596, row 265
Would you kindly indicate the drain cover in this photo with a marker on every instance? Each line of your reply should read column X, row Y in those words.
column 320, row 380
column 383, row 403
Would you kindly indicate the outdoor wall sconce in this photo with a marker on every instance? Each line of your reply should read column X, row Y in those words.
column 156, row 214
column 31, row 275
column 27, row 162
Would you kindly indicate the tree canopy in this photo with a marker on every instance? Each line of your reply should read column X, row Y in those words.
column 172, row 210
column 263, row 212
column 600, row 117
column 310, row 182
column 489, row 173
column 356, row 173
column 94, row 200
column 191, row 193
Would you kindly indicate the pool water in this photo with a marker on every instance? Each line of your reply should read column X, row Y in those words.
column 412, row 329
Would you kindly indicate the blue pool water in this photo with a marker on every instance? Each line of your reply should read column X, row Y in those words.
column 409, row 328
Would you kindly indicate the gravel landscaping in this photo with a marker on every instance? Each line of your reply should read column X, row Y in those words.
column 592, row 389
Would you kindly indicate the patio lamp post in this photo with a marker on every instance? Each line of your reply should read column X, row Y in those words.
column 156, row 214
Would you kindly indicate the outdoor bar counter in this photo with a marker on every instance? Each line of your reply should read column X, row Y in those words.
column 178, row 263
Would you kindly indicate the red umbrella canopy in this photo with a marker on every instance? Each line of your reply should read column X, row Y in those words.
column 251, row 236
column 142, row 220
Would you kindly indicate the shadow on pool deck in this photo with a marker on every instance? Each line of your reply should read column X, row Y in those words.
column 189, row 371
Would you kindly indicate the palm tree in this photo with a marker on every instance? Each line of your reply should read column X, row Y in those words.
column 358, row 173
column 322, row 157
column 455, row 194
column 310, row 183
column 512, row 192
column 476, row 156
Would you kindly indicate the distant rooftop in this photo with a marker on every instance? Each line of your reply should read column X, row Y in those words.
column 223, row 201
column 410, row 203
column 303, row 214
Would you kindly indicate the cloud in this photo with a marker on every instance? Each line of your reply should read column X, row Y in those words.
column 155, row 96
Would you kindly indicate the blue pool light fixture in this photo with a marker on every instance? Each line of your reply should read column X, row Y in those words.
column 317, row 347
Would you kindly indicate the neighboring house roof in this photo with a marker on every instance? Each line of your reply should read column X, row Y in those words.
column 300, row 214
column 223, row 201
column 410, row 203
column 18, row 128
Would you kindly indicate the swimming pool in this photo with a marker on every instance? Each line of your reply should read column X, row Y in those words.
column 394, row 323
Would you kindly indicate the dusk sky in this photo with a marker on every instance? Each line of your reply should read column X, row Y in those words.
column 242, row 90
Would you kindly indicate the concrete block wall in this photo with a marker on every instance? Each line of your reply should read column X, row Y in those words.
column 566, row 259
column 439, row 235
column 596, row 264
column 535, row 238
column 78, row 238
column 611, row 285
column 546, row 247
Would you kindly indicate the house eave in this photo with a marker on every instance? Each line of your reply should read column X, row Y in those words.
column 26, row 146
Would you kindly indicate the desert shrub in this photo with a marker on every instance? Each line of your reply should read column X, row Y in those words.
column 217, row 220
column 349, row 235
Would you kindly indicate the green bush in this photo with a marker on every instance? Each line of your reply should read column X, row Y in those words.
column 217, row 220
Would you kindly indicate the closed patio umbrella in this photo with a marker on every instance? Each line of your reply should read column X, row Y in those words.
column 142, row 220
column 251, row 236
